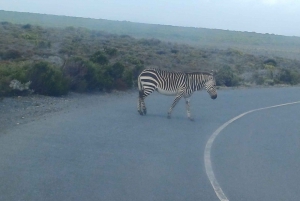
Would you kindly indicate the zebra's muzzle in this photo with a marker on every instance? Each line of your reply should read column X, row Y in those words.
column 214, row 96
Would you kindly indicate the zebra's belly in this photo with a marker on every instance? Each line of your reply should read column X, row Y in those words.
column 167, row 92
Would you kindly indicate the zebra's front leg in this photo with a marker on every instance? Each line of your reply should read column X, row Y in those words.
column 188, row 111
column 178, row 97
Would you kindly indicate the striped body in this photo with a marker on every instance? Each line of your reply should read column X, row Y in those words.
column 178, row 84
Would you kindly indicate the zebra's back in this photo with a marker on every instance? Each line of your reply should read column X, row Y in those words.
column 165, row 82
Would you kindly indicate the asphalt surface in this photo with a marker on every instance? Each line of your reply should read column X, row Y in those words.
column 258, row 156
column 107, row 151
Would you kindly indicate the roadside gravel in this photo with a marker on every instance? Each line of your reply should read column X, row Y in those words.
column 15, row 111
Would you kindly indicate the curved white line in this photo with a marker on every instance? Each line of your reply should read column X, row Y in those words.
column 208, row 167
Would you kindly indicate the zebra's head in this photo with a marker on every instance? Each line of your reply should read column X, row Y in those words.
column 210, row 86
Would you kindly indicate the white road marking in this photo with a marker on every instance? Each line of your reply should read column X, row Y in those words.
column 208, row 166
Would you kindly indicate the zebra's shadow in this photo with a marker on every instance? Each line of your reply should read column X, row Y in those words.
column 162, row 116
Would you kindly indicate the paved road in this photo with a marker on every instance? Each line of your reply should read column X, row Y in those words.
column 258, row 156
column 106, row 151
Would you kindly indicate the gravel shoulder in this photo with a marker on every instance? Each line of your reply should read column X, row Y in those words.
column 15, row 111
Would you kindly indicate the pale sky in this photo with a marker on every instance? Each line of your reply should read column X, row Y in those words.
column 281, row 17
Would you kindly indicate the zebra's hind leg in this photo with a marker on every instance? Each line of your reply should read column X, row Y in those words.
column 139, row 107
column 142, row 107
column 188, row 111
column 141, row 104
column 178, row 97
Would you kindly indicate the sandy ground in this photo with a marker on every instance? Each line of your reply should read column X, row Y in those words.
column 15, row 111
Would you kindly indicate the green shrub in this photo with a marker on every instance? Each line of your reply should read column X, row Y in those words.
column 12, row 71
column 28, row 36
column 116, row 70
column 106, row 82
column 287, row 76
column 269, row 82
column 82, row 75
column 11, row 54
column 43, row 44
column 136, row 72
column 226, row 77
column 110, row 51
column 128, row 78
column 270, row 62
column 99, row 57
column 27, row 26
column 4, row 86
column 174, row 51
column 47, row 79
column 258, row 79
column 85, row 75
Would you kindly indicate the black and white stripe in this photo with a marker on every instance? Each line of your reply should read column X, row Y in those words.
column 178, row 84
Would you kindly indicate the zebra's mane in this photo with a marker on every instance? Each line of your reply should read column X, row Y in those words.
column 200, row 72
column 188, row 73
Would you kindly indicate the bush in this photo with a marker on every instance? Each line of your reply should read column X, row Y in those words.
column 12, row 71
column 27, row 26
column 288, row 77
column 258, row 79
column 269, row 82
column 82, row 75
column 116, row 70
column 136, row 72
column 110, row 51
column 88, row 76
column 19, row 88
column 226, row 77
column 12, row 54
column 270, row 62
column 106, row 82
column 47, row 79
column 99, row 57
column 4, row 86
column 128, row 78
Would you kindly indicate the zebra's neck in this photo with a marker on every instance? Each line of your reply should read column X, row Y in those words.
column 197, row 81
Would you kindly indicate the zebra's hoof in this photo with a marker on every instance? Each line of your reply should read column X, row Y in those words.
column 191, row 119
column 169, row 116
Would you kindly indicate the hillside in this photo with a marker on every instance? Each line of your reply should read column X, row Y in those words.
column 250, row 42
column 53, row 61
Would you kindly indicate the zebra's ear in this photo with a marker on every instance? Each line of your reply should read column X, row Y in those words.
column 214, row 72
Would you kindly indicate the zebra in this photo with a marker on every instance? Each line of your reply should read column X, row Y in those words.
column 177, row 84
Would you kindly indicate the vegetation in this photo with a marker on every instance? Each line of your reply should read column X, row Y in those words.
column 227, row 77
column 53, row 61
column 47, row 79
column 250, row 42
